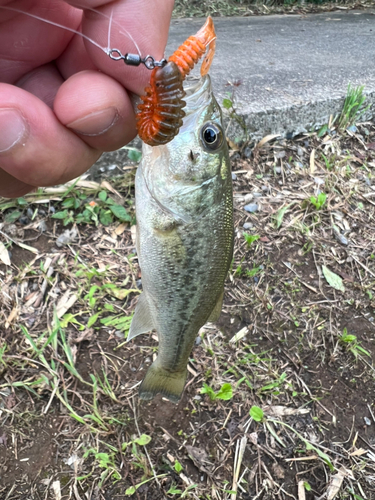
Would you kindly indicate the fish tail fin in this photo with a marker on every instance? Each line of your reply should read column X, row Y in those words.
column 159, row 380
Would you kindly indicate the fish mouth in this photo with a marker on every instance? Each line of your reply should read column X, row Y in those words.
column 198, row 94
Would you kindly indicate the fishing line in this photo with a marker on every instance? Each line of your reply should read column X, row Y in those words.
column 106, row 50
column 72, row 30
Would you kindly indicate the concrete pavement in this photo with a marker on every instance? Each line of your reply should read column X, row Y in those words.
column 294, row 70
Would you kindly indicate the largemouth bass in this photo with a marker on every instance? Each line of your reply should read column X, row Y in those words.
column 184, row 210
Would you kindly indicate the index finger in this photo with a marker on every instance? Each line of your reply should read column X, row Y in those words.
column 131, row 26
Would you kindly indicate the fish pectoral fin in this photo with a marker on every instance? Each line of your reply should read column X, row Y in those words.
column 158, row 380
column 142, row 321
column 216, row 311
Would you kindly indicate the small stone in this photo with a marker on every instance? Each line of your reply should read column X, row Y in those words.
column 23, row 220
column 52, row 209
column 341, row 238
column 248, row 197
column 300, row 151
column 139, row 284
column 248, row 152
column 318, row 181
column 42, row 226
column 281, row 154
column 278, row 170
column 198, row 340
column 298, row 164
column 248, row 225
column 234, row 176
column 251, row 207
column 66, row 237
column 367, row 421
column 352, row 128
column 29, row 213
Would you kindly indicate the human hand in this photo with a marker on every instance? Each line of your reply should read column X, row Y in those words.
column 58, row 113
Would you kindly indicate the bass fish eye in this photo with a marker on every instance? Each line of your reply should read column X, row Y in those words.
column 211, row 137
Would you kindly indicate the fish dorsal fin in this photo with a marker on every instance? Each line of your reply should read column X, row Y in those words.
column 216, row 311
column 142, row 321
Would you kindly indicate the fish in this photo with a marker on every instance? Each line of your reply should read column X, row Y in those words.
column 185, row 233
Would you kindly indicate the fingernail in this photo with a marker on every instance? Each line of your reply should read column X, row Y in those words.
column 95, row 124
column 12, row 128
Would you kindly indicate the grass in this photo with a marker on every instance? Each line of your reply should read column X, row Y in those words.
column 295, row 340
column 203, row 8
column 353, row 107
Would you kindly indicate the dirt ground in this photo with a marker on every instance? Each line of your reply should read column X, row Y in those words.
column 295, row 341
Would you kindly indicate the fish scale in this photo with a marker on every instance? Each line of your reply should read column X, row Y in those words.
column 184, row 212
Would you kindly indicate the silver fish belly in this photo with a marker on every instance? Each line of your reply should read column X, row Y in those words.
column 184, row 211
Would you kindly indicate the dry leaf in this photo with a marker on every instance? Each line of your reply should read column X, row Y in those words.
column 312, row 161
column 106, row 185
column 239, row 335
column 333, row 279
column 85, row 335
column 4, row 254
column 301, row 490
column 11, row 317
column 280, row 411
column 65, row 303
column 133, row 232
column 266, row 139
column 120, row 229
column 358, row 453
column 57, row 490
column 334, row 485
column 232, row 145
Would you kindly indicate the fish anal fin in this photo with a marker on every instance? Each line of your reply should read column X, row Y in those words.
column 158, row 380
column 142, row 321
column 216, row 311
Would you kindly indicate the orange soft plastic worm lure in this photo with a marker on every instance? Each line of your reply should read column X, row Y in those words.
column 161, row 112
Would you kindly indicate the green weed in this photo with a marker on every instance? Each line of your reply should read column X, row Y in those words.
column 225, row 392
column 317, row 201
column 177, row 466
column 79, row 208
column 228, row 104
column 258, row 413
column 250, row 238
column 353, row 107
column 352, row 344
column 106, row 461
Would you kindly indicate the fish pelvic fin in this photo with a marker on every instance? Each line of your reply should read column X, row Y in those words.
column 158, row 380
column 142, row 321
